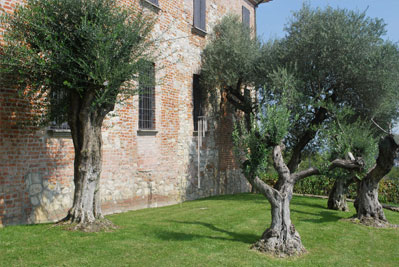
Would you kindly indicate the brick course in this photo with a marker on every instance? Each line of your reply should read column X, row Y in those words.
column 139, row 170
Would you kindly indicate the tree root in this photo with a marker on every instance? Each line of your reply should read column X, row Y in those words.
column 372, row 222
column 271, row 243
column 99, row 225
column 279, row 250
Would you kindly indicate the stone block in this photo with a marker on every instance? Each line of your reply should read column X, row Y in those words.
column 40, row 215
column 65, row 190
column 139, row 192
column 35, row 189
column 51, row 187
column 34, row 200
column 49, row 194
column 36, row 178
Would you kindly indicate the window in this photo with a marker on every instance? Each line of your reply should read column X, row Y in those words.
column 200, row 14
column 147, row 97
column 246, row 16
column 154, row 2
column 197, row 101
column 58, row 119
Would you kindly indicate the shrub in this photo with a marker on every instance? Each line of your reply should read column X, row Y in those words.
column 388, row 191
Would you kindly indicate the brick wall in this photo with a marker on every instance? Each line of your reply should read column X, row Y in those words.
column 139, row 169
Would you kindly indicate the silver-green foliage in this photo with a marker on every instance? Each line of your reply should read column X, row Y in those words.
column 355, row 138
column 341, row 60
column 249, row 149
column 231, row 55
column 255, row 145
column 59, row 47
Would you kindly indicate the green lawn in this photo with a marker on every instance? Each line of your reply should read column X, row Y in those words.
column 215, row 231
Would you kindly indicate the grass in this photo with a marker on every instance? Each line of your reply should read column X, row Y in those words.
column 216, row 231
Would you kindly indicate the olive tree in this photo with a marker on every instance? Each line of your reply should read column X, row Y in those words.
column 78, row 59
column 329, row 61
column 344, row 64
column 229, row 62
column 347, row 140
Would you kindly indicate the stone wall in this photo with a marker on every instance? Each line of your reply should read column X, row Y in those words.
column 140, row 169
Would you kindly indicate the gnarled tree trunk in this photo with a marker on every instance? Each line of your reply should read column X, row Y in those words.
column 369, row 209
column 85, row 123
column 337, row 196
column 281, row 239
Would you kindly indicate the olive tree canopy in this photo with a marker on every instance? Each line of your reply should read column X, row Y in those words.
column 332, row 69
column 77, row 59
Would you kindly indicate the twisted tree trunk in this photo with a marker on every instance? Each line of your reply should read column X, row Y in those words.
column 369, row 209
column 337, row 196
column 281, row 239
column 85, row 123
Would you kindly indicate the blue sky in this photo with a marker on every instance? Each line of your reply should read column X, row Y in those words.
column 272, row 16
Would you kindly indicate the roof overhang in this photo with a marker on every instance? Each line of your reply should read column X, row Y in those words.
column 258, row 2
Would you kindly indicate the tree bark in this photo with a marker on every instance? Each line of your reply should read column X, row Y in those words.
column 369, row 209
column 85, row 123
column 281, row 239
column 337, row 196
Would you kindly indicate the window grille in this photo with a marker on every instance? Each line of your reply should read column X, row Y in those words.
column 197, row 101
column 246, row 16
column 200, row 14
column 147, row 97
column 59, row 115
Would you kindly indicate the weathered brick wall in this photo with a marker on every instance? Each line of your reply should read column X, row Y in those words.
column 139, row 170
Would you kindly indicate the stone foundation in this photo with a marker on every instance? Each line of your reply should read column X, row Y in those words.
column 139, row 170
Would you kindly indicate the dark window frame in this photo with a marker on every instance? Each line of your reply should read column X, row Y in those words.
column 147, row 98
column 199, row 15
column 246, row 16
column 197, row 101
column 60, row 123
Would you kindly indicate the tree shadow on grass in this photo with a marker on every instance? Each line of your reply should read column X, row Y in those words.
column 181, row 236
column 307, row 202
column 236, row 197
column 325, row 216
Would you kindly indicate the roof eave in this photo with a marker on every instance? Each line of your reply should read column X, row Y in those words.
column 258, row 2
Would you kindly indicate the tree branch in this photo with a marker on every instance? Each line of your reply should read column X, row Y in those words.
column 337, row 163
column 356, row 164
column 238, row 105
column 305, row 173
column 388, row 151
column 279, row 164
column 238, row 85
column 379, row 127
column 310, row 133
column 269, row 192
column 236, row 94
